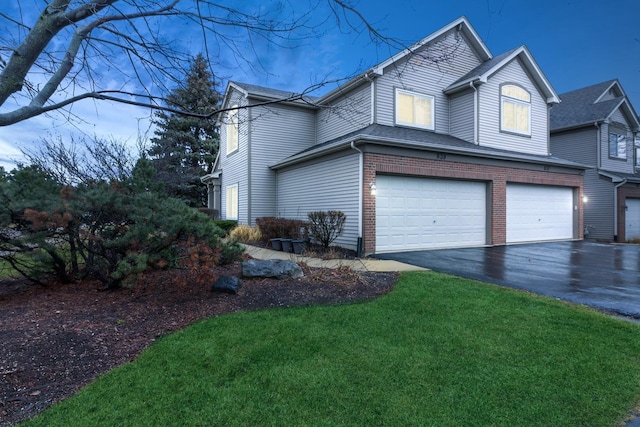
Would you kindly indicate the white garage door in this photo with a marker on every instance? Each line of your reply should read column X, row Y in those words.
column 539, row 212
column 422, row 213
column 632, row 219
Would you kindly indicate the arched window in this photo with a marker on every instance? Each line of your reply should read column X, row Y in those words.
column 515, row 106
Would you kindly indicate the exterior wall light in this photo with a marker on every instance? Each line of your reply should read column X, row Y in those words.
column 374, row 189
column 585, row 199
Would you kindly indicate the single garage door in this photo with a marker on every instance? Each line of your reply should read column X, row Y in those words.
column 632, row 219
column 422, row 213
column 538, row 213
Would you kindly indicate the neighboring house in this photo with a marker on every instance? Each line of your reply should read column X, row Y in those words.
column 598, row 126
column 454, row 141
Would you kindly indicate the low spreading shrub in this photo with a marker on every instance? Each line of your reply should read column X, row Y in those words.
column 111, row 231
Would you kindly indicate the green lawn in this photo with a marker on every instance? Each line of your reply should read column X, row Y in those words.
column 437, row 351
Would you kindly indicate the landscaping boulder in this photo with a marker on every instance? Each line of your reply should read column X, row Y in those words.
column 227, row 284
column 272, row 268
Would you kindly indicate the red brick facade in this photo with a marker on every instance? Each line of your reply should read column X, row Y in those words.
column 495, row 176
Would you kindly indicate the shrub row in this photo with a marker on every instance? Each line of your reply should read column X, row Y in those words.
column 274, row 227
column 323, row 226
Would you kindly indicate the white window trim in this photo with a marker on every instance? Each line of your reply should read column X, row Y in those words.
column 516, row 101
column 431, row 98
column 233, row 130
column 229, row 207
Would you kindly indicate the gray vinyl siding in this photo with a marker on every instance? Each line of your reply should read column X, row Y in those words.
column 235, row 166
column 598, row 211
column 330, row 184
column 349, row 113
column 489, row 113
column 424, row 76
column 277, row 131
column 617, row 124
column 577, row 145
column 462, row 116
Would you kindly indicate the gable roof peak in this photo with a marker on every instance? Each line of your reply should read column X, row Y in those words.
column 588, row 105
column 461, row 24
column 592, row 93
column 486, row 69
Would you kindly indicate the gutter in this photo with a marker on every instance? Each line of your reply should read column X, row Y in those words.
column 475, row 113
column 360, row 198
column 598, row 145
column 394, row 142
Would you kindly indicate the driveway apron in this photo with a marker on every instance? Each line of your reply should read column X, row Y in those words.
column 604, row 276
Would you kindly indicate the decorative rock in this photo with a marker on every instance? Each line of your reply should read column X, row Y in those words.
column 273, row 268
column 228, row 284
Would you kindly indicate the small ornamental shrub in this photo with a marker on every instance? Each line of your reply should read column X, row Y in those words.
column 246, row 234
column 325, row 227
column 286, row 228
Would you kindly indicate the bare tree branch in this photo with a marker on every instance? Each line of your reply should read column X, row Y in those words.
column 78, row 49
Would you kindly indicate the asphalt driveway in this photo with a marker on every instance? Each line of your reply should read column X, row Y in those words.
column 605, row 276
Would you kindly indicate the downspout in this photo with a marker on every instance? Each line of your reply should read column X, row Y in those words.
column 615, row 208
column 360, row 198
column 599, row 147
column 475, row 113
column 372, row 94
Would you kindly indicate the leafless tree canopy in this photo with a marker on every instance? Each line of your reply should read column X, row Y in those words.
column 120, row 49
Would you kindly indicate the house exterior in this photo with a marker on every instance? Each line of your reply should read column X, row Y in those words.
column 598, row 126
column 454, row 141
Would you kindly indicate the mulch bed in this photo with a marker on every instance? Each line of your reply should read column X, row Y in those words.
column 58, row 338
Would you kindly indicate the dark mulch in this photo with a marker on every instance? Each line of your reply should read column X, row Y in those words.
column 58, row 338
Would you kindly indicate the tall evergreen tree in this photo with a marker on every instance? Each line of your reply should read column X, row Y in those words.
column 184, row 147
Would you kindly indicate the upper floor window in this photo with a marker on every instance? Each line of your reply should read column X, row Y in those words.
column 636, row 144
column 617, row 145
column 515, row 105
column 232, row 130
column 413, row 109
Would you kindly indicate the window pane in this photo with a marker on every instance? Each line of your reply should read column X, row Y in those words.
column 405, row 108
column 516, row 92
column 232, row 131
column 617, row 146
column 423, row 111
column 622, row 146
column 232, row 202
column 522, row 118
column 613, row 147
column 508, row 115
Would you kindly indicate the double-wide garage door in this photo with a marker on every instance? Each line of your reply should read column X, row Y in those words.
column 422, row 213
column 415, row 213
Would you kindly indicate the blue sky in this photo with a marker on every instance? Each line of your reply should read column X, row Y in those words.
column 576, row 44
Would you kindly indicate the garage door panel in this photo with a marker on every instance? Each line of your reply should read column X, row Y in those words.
column 632, row 219
column 539, row 212
column 429, row 213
